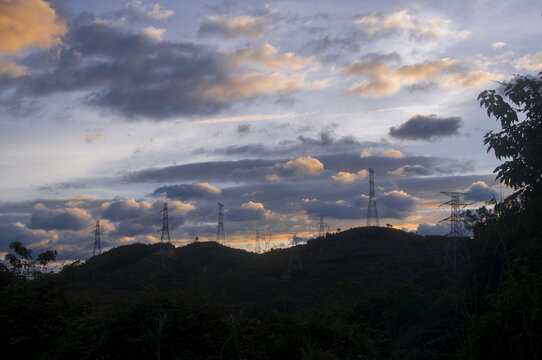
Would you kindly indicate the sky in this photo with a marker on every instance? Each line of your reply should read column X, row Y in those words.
column 276, row 109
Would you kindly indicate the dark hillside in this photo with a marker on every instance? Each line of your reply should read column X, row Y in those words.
column 345, row 264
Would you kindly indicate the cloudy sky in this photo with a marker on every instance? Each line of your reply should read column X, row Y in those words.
column 276, row 109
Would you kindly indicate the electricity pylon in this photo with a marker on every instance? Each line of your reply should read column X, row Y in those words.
column 323, row 227
column 268, row 239
column 457, row 221
column 372, row 212
column 165, row 225
column 257, row 239
column 220, row 236
column 97, row 244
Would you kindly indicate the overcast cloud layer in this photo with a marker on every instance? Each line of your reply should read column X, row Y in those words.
column 110, row 110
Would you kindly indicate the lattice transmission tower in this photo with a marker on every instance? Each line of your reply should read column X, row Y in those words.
column 268, row 238
column 372, row 212
column 165, row 225
column 97, row 243
column 220, row 236
column 457, row 252
column 323, row 227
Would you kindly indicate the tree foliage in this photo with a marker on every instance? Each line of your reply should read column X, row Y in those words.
column 22, row 261
column 519, row 142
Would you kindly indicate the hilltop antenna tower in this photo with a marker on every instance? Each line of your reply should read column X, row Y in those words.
column 97, row 244
column 456, row 219
column 165, row 225
column 295, row 260
column 372, row 212
column 323, row 227
column 220, row 236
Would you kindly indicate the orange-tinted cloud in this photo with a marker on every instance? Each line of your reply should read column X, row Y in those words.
column 392, row 153
column 252, row 85
column 530, row 62
column 382, row 80
column 300, row 167
column 28, row 23
column 347, row 177
column 267, row 55
column 431, row 28
column 9, row 67
column 228, row 26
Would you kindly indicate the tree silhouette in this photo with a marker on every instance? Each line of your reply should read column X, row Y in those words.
column 519, row 142
column 22, row 262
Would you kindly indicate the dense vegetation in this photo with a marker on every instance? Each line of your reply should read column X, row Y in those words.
column 365, row 293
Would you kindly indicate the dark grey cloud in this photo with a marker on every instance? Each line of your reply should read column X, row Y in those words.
column 216, row 170
column 260, row 170
column 411, row 170
column 437, row 229
column 421, row 87
column 334, row 210
column 426, row 127
column 331, row 49
column 389, row 58
column 325, row 142
column 125, row 73
column 244, row 214
column 62, row 219
column 12, row 232
column 187, row 191
column 243, row 129
column 124, row 209
column 54, row 188
column 136, row 11
column 396, row 205
column 480, row 191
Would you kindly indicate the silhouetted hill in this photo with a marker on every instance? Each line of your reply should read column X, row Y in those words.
column 342, row 266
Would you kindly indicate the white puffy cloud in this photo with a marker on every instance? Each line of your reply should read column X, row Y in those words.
column 248, row 211
column 153, row 33
column 480, row 191
column 158, row 13
column 347, row 177
column 365, row 153
column 409, row 170
column 300, row 167
column 498, row 45
column 393, row 153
